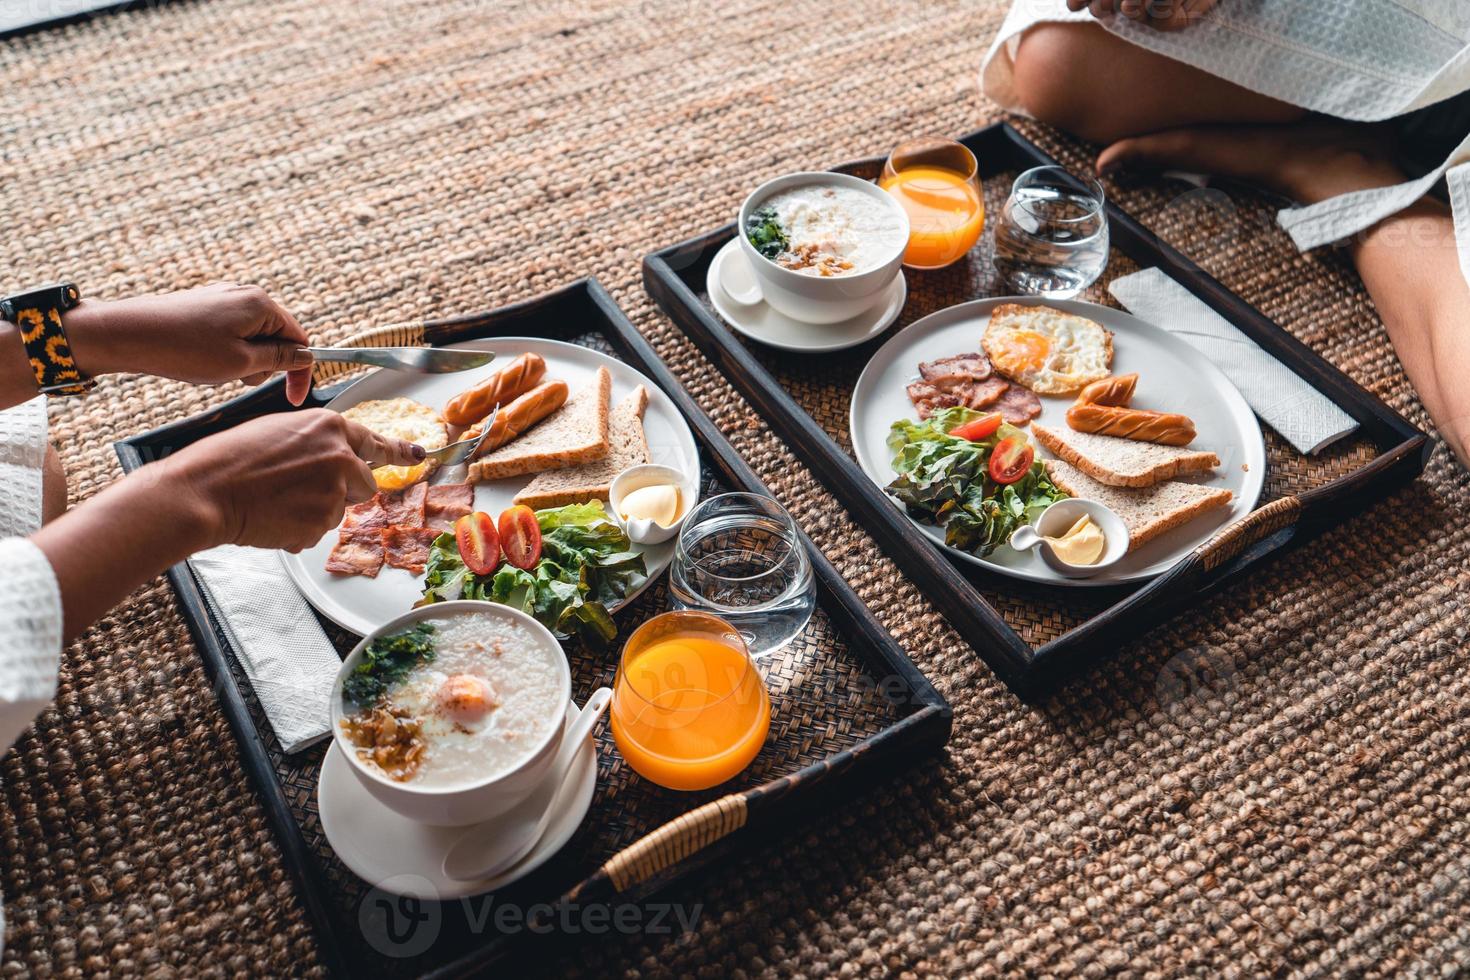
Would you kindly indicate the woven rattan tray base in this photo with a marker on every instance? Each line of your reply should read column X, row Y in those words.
column 844, row 700
column 1033, row 634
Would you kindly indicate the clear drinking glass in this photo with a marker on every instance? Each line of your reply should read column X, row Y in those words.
column 740, row 556
column 1052, row 236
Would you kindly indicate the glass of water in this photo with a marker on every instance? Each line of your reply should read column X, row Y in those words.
column 1052, row 236
column 740, row 556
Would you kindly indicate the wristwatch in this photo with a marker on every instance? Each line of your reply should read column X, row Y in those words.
column 37, row 312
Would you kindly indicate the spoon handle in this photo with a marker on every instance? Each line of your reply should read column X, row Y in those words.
column 460, row 863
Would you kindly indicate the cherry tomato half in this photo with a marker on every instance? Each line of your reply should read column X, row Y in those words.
column 479, row 545
column 520, row 536
column 1011, row 459
column 982, row 428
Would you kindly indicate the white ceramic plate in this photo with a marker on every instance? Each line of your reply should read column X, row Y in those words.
column 764, row 323
column 358, row 827
column 362, row 604
column 1173, row 377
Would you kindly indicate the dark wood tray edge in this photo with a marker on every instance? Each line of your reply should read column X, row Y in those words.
column 1032, row 673
column 925, row 728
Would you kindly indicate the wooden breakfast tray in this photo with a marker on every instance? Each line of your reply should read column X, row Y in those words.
column 846, row 705
column 1032, row 636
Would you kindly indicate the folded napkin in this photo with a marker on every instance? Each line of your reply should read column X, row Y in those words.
column 287, row 657
column 1302, row 415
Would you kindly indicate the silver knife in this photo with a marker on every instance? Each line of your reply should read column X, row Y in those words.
column 423, row 360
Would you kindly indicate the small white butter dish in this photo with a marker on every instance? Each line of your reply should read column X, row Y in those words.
column 1055, row 522
column 641, row 531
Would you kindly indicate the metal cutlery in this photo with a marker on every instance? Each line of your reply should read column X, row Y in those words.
column 423, row 360
column 457, row 452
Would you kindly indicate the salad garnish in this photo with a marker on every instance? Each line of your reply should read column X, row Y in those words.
column 586, row 564
column 950, row 481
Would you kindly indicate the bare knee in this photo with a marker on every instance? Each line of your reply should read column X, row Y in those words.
column 1058, row 75
column 1082, row 78
column 53, row 487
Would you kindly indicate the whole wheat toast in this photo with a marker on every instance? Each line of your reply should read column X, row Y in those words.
column 572, row 435
column 593, row 481
column 1123, row 462
column 1146, row 511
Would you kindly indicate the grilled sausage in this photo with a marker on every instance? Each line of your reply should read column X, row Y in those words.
column 520, row 415
column 1110, row 391
column 1164, row 428
column 501, row 388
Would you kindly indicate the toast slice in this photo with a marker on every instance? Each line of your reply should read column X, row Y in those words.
column 593, row 481
column 1124, row 462
column 1147, row 512
column 572, row 435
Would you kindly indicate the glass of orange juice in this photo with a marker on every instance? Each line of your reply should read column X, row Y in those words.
column 689, row 709
column 938, row 183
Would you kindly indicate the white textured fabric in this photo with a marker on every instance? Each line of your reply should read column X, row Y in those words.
column 30, row 636
column 1363, row 60
column 282, row 648
column 22, row 454
column 1303, row 416
column 30, row 601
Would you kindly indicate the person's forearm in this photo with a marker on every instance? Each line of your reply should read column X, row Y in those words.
column 86, row 329
column 108, row 546
column 1411, row 267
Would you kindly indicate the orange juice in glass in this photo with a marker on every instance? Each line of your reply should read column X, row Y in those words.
column 938, row 183
column 689, row 709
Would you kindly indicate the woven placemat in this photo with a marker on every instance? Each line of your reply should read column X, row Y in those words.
column 1277, row 782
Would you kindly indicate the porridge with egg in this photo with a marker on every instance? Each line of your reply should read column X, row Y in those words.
column 826, row 230
column 453, row 701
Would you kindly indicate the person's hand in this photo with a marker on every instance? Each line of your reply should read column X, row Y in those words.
column 1163, row 15
column 209, row 335
column 281, row 481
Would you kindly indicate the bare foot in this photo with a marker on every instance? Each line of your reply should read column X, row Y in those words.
column 1308, row 162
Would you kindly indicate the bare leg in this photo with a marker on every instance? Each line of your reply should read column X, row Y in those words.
column 53, row 487
column 1412, row 270
column 1095, row 85
column 1408, row 261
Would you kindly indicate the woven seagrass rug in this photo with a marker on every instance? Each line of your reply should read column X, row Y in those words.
column 1276, row 783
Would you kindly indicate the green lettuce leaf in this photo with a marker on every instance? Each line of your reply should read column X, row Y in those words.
column 944, row 481
column 586, row 565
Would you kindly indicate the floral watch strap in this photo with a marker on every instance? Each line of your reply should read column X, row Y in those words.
column 38, row 315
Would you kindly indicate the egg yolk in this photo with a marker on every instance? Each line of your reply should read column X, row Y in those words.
column 1027, row 349
column 466, row 697
column 399, row 477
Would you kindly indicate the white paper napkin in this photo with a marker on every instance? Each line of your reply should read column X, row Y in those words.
column 1302, row 415
column 290, row 663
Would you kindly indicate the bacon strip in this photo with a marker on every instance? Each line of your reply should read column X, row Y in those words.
column 357, row 552
column 447, row 503
column 366, row 516
column 964, row 367
column 408, row 547
column 405, row 508
column 397, row 527
column 1019, row 405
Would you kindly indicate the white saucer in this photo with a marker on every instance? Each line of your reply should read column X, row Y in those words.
column 403, row 857
column 763, row 323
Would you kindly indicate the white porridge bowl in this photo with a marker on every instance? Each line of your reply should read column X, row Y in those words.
column 481, row 790
column 826, row 299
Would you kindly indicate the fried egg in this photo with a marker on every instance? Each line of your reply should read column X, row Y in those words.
column 1046, row 350
column 401, row 418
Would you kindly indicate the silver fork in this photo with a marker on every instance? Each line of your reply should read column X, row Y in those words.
column 457, row 452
